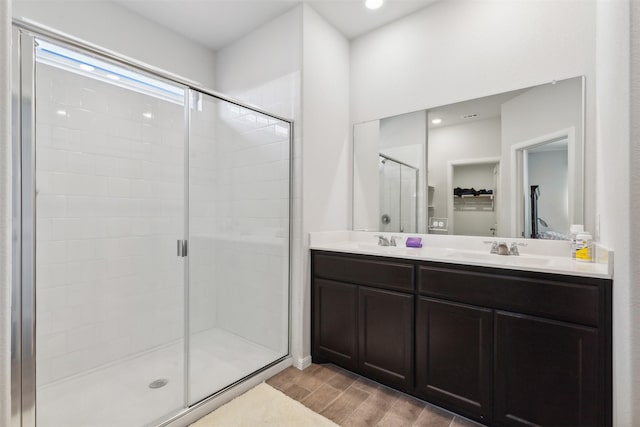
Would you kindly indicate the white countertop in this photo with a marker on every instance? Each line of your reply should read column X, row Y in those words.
column 543, row 256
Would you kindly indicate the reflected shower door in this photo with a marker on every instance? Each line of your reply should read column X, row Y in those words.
column 390, row 196
column 238, row 243
column 408, row 199
column 110, row 179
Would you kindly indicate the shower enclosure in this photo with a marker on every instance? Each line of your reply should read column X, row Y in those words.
column 151, row 239
column 398, row 196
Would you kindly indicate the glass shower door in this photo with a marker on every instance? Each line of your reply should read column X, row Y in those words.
column 390, row 195
column 110, row 179
column 238, row 243
column 408, row 199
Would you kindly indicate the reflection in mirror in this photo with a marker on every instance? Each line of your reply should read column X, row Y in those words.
column 546, row 205
column 389, row 174
column 476, row 163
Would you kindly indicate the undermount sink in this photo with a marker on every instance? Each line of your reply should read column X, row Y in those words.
column 475, row 257
column 378, row 248
column 501, row 259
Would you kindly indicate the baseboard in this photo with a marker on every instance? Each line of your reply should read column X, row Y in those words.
column 302, row 363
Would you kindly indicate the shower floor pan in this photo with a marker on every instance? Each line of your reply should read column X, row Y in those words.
column 120, row 394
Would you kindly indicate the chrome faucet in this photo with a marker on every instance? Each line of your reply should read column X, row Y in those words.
column 513, row 250
column 503, row 249
column 383, row 241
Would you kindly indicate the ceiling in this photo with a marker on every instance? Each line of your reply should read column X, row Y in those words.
column 479, row 109
column 216, row 23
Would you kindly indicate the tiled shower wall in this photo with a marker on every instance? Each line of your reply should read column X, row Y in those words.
column 202, row 220
column 242, row 214
column 253, row 225
column 110, row 178
column 110, row 194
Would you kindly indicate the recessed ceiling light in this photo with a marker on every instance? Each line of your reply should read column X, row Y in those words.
column 373, row 4
column 113, row 77
column 61, row 112
column 436, row 121
column 87, row 67
column 148, row 115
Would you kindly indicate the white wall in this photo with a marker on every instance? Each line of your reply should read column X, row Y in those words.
column 634, row 185
column 475, row 140
column 548, row 169
column 453, row 51
column 5, row 212
column 366, row 177
column 113, row 27
column 326, row 160
column 265, row 55
column 292, row 64
column 541, row 111
column 265, row 68
column 615, row 179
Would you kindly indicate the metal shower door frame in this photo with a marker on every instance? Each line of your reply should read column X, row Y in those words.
column 23, row 298
column 23, row 363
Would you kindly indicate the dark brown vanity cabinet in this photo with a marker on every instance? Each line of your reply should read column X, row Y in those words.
column 503, row 347
column 385, row 336
column 546, row 372
column 335, row 331
column 361, row 324
column 454, row 348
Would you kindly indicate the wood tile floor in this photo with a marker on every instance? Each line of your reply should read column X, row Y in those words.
column 350, row 400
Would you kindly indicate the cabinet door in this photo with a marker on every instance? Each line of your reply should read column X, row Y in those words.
column 385, row 325
column 545, row 373
column 335, row 308
column 454, row 356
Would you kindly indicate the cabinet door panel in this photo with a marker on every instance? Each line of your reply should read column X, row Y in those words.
column 385, row 326
column 546, row 372
column 334, row 323
column 454, row 356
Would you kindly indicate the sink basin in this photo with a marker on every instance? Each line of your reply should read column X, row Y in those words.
column 521, row 260
column 456, row 255
column 379, row 249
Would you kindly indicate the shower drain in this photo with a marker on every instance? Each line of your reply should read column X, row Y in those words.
column 158, row 383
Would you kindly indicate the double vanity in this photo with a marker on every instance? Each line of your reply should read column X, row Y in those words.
column 504, row 340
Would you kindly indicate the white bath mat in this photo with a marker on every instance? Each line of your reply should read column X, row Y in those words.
column 263, row 406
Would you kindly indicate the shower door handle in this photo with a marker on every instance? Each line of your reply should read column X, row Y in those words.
column 182, row 248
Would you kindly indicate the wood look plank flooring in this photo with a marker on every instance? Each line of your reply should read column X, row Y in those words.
column 350, row 400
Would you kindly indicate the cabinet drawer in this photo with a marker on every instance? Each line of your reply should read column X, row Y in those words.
column 362, row 271
column 548, row 298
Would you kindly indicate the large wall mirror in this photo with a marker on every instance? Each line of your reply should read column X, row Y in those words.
column 507, row 165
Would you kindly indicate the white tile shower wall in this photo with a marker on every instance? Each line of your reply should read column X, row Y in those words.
column 109, row 210
column 252, row 225
column 264, row 68
column 239, row 181
column 202, row 220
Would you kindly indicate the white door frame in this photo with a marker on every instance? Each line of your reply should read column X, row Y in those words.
column 464, row 162
column 518, row 192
